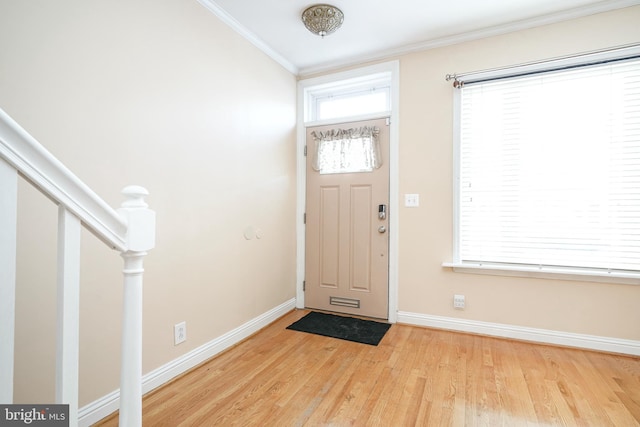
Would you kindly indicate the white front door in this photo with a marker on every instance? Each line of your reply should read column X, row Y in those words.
column 347, row 236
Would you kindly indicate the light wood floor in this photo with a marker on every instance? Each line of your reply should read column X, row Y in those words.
column 415, row 377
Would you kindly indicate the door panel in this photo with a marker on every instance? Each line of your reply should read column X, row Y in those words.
column 360, row 260
column 346, row 256
column 329, row 235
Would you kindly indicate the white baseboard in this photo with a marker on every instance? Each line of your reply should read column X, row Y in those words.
column 108, row 404
column 544, row 336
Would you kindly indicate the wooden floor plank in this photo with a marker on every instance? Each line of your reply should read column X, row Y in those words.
column 415, row 376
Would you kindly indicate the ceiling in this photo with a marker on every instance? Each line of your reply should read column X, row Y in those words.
column 375, row 29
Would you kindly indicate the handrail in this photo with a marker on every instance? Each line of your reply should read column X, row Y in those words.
column 36, row 164
column 130, row 230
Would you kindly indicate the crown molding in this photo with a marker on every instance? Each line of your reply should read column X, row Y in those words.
column 580, row 12
column 250, row 36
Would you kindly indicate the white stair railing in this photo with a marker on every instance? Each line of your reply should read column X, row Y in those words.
column 130, row 230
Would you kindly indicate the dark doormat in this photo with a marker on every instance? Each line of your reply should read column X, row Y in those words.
column 344, row 328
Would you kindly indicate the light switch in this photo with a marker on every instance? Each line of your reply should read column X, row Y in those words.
column 412, row 200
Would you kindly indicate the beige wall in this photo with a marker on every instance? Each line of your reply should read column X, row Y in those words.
column 426, row 168
column 163, row 95
column 160, row 94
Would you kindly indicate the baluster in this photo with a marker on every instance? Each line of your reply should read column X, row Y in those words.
column 140, row 239
column 68, row 312
column 8, row 224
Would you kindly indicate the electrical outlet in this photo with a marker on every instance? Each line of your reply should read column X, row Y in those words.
column 458, row 302
column 179, row 333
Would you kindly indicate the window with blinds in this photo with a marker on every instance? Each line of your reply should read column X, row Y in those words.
column 549, row 169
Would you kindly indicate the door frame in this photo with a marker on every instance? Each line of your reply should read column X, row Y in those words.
column 304, row 86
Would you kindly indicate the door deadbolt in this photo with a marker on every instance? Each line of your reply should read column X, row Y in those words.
column 382, row 229
column 382, row 211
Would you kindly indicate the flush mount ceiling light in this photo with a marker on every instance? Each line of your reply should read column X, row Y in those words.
column 322, row 19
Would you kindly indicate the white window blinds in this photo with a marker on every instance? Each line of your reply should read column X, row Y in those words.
column 549, row 169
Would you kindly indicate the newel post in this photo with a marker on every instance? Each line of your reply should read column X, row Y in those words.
column 141, row 229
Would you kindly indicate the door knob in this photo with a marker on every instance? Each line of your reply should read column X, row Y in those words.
column 382, row 229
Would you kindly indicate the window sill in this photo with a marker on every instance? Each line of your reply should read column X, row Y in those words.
column 547, row 272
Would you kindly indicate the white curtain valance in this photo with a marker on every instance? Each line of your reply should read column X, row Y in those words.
column 347, row 150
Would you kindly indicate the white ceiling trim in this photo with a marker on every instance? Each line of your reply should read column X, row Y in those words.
column 251, row 37
column 525, row 24
column 575, row 13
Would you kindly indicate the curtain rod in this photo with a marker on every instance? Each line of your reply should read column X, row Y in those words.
column 585, row 58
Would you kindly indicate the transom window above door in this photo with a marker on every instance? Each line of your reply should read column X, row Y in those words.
column 349, row 98
column 360, row 102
